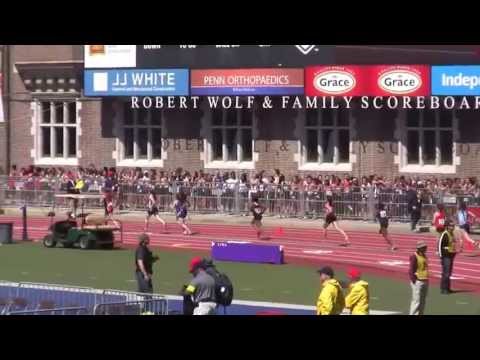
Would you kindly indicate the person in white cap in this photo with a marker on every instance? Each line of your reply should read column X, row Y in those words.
column 419, row 279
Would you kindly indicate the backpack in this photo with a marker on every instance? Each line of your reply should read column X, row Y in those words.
column 223, row 287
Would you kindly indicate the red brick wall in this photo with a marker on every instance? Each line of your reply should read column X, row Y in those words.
column 276, row 141
column 97, row 140
column 183, row 142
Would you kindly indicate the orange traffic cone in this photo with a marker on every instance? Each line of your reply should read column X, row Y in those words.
column 279, row 232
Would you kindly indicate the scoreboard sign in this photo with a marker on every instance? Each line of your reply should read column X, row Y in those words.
column 206, row 56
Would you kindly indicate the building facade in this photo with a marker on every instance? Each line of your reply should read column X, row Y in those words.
column 48, row 122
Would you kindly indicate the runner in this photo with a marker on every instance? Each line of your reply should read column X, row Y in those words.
column 257, row 210
column 152, row 210
column 331, row 218
column 382, row 218
column 439, row 219
column 464, row 225
column 181, row 211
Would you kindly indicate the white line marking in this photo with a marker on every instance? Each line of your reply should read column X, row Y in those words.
column 318, row 252
column 393, row 263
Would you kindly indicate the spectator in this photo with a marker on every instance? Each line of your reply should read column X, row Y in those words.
column 419, row 279
column 331, row 300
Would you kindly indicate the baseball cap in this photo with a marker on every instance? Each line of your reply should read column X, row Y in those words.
column 354, row 273
column 195, row 264
column 143, row 238
column 421, row 245
column 327, row 270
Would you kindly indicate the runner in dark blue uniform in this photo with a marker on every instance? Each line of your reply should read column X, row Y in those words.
column 181, row 212
column 257, row 210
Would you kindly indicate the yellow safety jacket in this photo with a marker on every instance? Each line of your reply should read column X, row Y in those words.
column 422, row 267
column 357, row 300
column 450, row 248
column 331, row 300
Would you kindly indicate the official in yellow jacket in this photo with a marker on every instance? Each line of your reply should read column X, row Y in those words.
column 331, row 300
column 358, row 299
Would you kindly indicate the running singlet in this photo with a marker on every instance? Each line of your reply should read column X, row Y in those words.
column 439, row 221
column 180, row 210
column 462, row 217
column 257, row 211
column 383, row 218
column 328, row 209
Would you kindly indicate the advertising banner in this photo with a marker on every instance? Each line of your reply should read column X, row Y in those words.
column 456, row 80
column 401, row 80
column 336, row 80
column 110, row 56
column 377, row 80
column 248, row 82
column 156, row 82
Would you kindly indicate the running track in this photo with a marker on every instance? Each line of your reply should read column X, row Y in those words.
column 368, row 250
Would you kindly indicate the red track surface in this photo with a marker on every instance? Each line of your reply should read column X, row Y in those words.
column 368, row 250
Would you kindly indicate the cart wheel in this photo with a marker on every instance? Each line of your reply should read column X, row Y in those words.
column 85, row 243
column 49, row 241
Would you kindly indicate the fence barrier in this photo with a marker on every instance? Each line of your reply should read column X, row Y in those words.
column 30, row 298
column 284, row 201
column 50, row 312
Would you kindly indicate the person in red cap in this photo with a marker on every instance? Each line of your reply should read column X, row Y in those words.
column 357, row 300
column 201, row 289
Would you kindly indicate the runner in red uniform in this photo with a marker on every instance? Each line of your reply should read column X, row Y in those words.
column 331, row 218
column 439, row 219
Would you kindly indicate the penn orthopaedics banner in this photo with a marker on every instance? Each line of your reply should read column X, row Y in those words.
column 247, row 82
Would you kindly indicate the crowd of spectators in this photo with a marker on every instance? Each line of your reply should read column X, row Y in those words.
column 140, row 180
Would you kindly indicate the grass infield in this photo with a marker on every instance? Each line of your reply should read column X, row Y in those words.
column 292, row 284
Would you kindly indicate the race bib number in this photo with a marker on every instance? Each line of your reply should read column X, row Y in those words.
column 383, row 214
column 441, row 222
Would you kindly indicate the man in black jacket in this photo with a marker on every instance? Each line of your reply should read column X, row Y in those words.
column 415, row 209
column 144, row 260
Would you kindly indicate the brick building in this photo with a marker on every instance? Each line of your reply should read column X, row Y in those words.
column 48, row 122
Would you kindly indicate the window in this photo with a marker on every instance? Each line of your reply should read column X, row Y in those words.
column 327, row 138
column 429, row 140
column 231, row 140
column 141, row 135
column 58, row 131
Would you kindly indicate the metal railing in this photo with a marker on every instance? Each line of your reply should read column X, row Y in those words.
column 29, row 298
column 139, row 307
column 50, row 312
column 284, row 201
